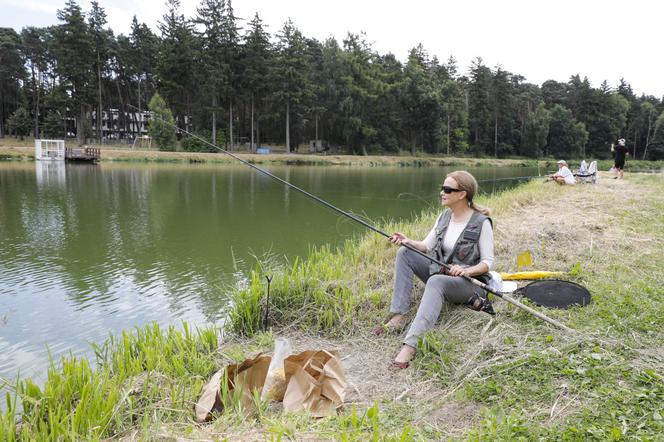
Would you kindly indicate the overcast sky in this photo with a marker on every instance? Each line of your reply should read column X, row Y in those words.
column 541, row 40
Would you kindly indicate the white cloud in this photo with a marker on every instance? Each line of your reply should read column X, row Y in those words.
column 40, row 6
column 541, row 40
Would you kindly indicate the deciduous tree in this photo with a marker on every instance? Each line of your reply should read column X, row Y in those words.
column 19, row 123
column 657, row 145
column 566, row 135
column 536, row 131
column 162, row 123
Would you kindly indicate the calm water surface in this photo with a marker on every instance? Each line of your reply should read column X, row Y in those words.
column 90, row 250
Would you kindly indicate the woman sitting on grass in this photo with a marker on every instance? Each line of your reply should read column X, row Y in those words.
column 461, row 237
column 564, row 175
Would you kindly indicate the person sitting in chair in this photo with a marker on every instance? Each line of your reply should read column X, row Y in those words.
column 564, row 175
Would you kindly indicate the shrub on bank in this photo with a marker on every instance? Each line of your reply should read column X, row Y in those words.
column 162, row 124
column 196, row 144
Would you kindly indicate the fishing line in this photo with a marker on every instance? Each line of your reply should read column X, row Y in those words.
column 415, row 197
column 330, row 206
column 509, row 178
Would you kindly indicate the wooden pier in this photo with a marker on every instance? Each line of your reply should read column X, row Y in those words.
column 90, row 154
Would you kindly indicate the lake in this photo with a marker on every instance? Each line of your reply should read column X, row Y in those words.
column 88, row 250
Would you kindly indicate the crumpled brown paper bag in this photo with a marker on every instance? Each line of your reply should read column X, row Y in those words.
column 316, row 382
column 210, row 399
column 245, row 378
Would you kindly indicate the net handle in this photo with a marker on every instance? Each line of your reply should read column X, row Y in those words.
column 522, row 306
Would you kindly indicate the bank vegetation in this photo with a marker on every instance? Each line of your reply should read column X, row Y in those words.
column 12, row 150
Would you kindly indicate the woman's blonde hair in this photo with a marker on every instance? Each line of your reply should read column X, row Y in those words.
column 465, row 181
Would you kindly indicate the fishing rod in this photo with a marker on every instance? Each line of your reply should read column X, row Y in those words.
column 444, row 266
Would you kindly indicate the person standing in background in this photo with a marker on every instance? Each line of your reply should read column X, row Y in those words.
column 621, row 153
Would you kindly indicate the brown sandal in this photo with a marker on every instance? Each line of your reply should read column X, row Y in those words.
column 395, row 365
column 379, row 330
column 387, row 328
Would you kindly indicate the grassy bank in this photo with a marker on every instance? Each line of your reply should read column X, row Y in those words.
column 13, row 150
column 123, row 154
column 475, row 377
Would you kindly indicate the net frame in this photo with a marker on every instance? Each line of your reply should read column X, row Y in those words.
column 556, row 293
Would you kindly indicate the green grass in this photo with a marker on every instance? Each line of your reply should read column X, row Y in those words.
column 614, row 392
column 314, row 294
column 150, row 375
column 614, row 373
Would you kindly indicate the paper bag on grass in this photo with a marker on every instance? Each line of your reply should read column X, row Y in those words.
column 210, row 399
column 275, row 381
column 316, row 382
column 241, row 380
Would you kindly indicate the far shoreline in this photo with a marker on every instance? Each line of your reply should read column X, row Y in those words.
column 14, row 150
column 115, row 154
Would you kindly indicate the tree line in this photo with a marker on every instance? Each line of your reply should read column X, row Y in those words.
column 230, row 80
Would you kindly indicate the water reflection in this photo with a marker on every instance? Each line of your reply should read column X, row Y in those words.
column 50, row 173
column 91, row 250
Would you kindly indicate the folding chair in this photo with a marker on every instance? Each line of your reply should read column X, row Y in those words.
column 588, row 175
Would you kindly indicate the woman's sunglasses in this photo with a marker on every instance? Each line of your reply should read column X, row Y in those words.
column 449, row 190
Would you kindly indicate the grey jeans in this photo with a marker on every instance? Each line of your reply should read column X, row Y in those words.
column 438, row 288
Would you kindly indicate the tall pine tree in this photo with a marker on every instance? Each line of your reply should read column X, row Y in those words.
column 214, row 75
column 256, row 56
column 11, row 72
column 74, row 53
column 176, row 63
column 481, row 117
column 34, row 42
column 230, row 46
column 101, row 40
column 290, row 75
